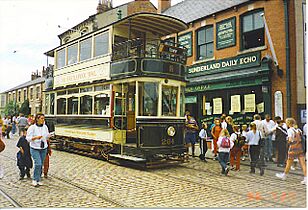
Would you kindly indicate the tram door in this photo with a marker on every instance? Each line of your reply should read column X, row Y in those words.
column 131, row 117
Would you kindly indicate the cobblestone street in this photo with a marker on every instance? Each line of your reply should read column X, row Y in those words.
column 77, row 181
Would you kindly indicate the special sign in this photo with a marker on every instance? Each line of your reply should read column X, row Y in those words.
column 225, row 33
column 243, row 61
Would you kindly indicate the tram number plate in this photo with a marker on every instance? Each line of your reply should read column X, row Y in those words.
column 167, row 142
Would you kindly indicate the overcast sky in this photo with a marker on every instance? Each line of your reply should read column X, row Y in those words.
column 28, row 28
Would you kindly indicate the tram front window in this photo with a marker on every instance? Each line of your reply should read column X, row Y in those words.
column 169, row 96
column 61, row 106
column 73, row 105
column 86, row 105
column 101, row 104
column 148, row 99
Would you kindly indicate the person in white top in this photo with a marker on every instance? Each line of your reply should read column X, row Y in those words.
column 37, row 137
column 295, row 151
column 224, row 146
column 264, row 132
column 203, row 144
column 253, row 137
column 305, row 137
column 1, row 167
column 268, row 147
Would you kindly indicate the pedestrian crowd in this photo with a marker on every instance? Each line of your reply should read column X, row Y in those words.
column 263, row 141
column 33, row 144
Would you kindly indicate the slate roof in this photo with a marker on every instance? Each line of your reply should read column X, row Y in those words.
column 27, row 84
column 191, row 10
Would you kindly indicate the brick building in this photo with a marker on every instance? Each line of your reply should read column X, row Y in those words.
column 232, row 69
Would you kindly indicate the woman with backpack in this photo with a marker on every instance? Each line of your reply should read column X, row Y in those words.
column 253, row 137
column 295, row 151
column 236, row 151
column 215, row 131
column 281, row 143
column 224, row 146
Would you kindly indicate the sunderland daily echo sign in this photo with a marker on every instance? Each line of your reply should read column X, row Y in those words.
column 239, row 62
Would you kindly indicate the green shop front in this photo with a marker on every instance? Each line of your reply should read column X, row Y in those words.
column 238, row 86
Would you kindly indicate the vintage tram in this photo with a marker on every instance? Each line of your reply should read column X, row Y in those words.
column 117, row 93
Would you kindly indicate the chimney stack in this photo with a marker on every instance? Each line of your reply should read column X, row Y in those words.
column 163, row 5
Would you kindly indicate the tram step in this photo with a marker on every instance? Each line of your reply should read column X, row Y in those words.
column 126, row 157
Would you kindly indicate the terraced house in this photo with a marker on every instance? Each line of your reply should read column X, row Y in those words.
column 245, row 57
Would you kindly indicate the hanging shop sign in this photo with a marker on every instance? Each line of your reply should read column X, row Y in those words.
column 250, row 103
column 234, row 63
column 226, row 33
column 185, row 40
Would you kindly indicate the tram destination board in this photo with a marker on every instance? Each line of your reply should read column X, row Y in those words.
column 166, row 67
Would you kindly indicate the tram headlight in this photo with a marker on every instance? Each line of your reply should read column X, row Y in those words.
column 171, row 131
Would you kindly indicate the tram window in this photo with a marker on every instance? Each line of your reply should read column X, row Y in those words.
column 72, row 91
column 119, row 105
column 87, row 89
column 101, row 43
column 60, row 93
column 47, row 103
column 73, row 105
column 60, row 58
column 52, row 103
column 169, row 96
column 85, row 49
column 148, row 99
column 101, row 104
column 86, row 105
column 72, row 54
column 61, row 106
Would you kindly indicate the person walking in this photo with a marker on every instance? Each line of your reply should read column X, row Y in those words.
column 281, row 143
column 37, row 136
column 191, row 128
column 203, row 144
column 304, row 138
column 24, row 161
column 22, row 123
column 236, row 151
column 215, row 134
column 2, row 147
column 253, row 137
column 224, row 146
column 295, row 151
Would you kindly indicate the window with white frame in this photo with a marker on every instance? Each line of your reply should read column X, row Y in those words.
column 85, row 49
column 72, row 52
column 205, row 43
column 61, row 58
column 101, row 43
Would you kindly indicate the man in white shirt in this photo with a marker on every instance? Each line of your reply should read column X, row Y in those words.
column 270, row 125
column 260, row 126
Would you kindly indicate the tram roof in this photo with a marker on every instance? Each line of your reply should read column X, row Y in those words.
column 159, row 24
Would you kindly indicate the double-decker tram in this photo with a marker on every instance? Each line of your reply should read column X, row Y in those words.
column 117, row 93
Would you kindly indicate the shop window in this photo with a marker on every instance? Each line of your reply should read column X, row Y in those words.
column 72, row 54
column 205, row 43
column 101, row 43
column 72, row 105
column 148, row 100
column 252, row 30
column 101, row 104
column 61, row 106
column 169, row 96
column 61, row 58
column 86, row 105
column 85, row 49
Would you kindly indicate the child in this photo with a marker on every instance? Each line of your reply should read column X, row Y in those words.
column 24, row 161
column 236, row 151
column 203, row 144
column 215, row 134
column 245, row 147
column 224, row 145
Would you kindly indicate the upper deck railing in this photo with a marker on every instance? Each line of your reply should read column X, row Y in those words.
column 158, row 49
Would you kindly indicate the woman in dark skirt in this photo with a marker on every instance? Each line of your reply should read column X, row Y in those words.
column 281, row 144
column 24, row 161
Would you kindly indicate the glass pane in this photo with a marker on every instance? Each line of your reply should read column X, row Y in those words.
column 61, row 106
column 209, row 34
column 258, row 20
column 52, row 103
column 85, row 49
column 201, row 37
column 60, row 58
column 201, row 52
column 247, row 23
column 148, row 100
column 169, row 95
column 87, row 89
column 101, row 43
column 210, row 50
column 73, row 105
column 101, row 104
column 72, row 54
column 182, row 103
column 47, row 103
column 120, row 99
column 86, row 105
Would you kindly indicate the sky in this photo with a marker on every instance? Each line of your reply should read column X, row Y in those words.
column 29, row 28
